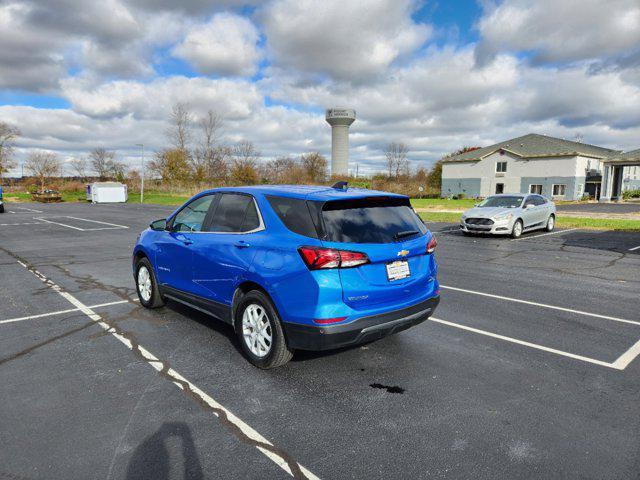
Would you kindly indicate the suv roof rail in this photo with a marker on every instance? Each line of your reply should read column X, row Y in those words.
column 340, row 185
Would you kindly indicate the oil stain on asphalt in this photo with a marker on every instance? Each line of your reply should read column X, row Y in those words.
column 388, row 388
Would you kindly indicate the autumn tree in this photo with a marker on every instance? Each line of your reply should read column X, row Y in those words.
column 244, row 160
column 172, row 166
column 315, row 166
column 8, row 135
column 43, row 166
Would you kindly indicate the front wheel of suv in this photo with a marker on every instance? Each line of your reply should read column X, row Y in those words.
column 146, row 285
column 260, row 332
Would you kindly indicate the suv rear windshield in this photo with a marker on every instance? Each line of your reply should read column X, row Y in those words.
column 371, row 220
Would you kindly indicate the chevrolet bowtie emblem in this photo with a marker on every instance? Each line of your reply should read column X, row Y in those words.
column 403, row 253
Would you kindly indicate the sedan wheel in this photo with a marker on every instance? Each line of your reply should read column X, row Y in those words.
column 551, row 223
column 517, row 229
column 257, row 331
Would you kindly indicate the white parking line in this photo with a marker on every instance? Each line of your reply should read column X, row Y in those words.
column 62, row 312
column 545, row 234
column 28, row 209
column 634, row 248
column 543, row 305
column 112, row 226
column 16, row 224
column 261, row 443
column 531, row 345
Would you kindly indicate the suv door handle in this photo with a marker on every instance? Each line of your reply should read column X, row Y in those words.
column 242, row 244
column 183, row 239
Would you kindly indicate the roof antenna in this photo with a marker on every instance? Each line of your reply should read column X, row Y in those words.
column 340, row 185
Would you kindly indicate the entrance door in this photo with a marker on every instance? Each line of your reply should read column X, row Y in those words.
column 499, row 188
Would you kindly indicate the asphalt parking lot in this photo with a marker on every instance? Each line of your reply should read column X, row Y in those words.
column 527, row 370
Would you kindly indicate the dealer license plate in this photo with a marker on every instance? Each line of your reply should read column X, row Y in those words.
column 398, row 270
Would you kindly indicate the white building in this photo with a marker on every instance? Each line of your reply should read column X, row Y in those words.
column 621, row 172
column 533, row 163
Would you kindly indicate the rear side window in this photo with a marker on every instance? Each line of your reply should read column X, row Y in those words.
column 294, row 214
column 371, row 220
column 235, row 213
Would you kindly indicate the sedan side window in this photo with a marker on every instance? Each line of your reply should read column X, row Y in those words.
column 191, row 217
column 235, row 213
column 538, row 200
column 529, row 201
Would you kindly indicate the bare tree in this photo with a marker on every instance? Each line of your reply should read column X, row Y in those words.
column 397, row 162
column 276, row 171
column 245, row 154
column 80, row 167
column 209, row 159
column 315, row 166
column 101, row 161
column 8, row 135
column 179, row 132
column 43, row 166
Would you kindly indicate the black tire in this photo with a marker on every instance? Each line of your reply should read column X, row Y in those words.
column 155, row 300
column 551, row 223
column 278, row 353
column 517, row 232
column 2, row 208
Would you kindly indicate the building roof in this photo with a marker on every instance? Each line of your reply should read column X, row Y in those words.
column 309, row 192
column 534, row 145
column 631, row 156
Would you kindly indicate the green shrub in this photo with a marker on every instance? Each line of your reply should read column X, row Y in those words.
column 631, row 194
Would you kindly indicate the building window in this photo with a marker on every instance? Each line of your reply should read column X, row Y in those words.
column 501, row 167
column 536, row 188
column 499, row 188
column 559, row 190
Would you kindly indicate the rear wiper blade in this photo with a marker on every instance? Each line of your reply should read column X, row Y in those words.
column 405, row 233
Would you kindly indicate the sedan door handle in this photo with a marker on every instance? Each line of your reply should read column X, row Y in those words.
column 242, row 244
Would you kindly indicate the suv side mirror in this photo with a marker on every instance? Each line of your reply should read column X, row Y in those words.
column 159, row 225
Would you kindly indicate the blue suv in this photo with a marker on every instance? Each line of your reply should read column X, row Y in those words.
column 293, row 267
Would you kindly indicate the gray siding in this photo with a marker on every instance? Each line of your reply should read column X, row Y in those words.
column 631, row 185
column 455, row 186
column 572, row 183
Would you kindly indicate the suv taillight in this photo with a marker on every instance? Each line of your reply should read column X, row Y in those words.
column 431, row 246
column 318, row 258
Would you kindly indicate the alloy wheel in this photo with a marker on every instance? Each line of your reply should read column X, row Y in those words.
column 144, row 283
column 256, row 330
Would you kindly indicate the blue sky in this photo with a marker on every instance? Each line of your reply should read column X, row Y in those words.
column 435, row 75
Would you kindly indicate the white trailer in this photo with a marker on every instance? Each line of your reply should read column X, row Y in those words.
column 106, row 192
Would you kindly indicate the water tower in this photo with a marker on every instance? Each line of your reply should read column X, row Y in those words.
column 340, row 119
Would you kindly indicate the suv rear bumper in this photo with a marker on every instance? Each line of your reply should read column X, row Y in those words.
column 365, row 329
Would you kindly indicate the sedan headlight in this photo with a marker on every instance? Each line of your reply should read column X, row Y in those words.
column 504, row 216
column 464, row 216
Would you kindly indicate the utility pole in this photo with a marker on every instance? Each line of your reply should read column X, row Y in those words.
column 141, row 145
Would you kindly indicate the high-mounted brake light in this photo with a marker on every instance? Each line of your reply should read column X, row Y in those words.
column 318, row 258
column 431, row 246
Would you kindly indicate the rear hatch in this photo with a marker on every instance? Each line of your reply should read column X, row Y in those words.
column 394, row 238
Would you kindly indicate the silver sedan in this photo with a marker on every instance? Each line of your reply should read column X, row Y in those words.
column 509, row 214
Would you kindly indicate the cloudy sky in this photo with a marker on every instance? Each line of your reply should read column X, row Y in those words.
column 436, row 75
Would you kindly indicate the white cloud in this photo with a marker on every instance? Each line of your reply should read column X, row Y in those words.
column 231, row 98
column 567, row 30
column 347, row 40
column 226, row 45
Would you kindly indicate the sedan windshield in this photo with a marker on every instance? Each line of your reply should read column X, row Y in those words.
column 504, row 202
